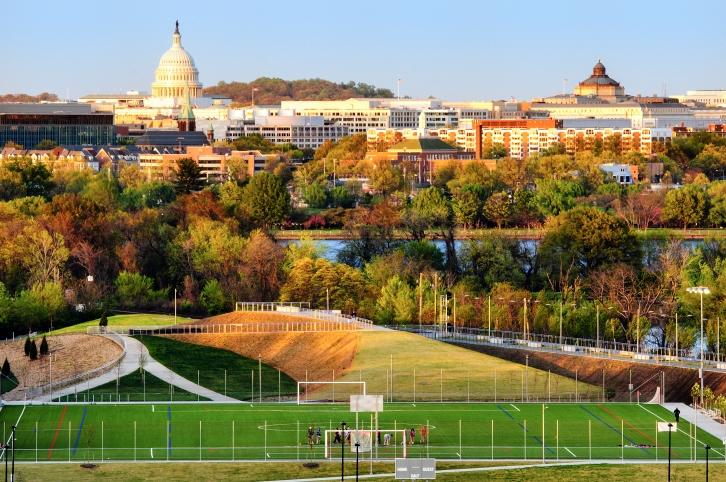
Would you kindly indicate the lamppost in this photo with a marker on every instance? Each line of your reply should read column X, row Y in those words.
column 12, row 471
column 677, row 414
column 342, row 451
column 357, row 447
column 700, row 290
column 707, row 447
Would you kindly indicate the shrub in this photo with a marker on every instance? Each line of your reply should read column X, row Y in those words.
column 104, row 319
column 27, row 346
column 33, row 353
column 44, row 347
column 5, row 370
column 212, row 297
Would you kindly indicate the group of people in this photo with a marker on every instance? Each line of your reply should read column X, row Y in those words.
column 342, row 435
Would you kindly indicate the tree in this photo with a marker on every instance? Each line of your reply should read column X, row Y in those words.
column 341, row 197
column 491, row 260
column 212, row 297
column 315, row 196
column 188, row 176
column 554, row 196
column 34, row 177
column 33, row 352
column 104, row 319
column 468, row 204
column 26, row 349
column 386, row 179
column 431, row 209
column 6, row 371
column 686, row 206
column 498, row 208
column 584, row 239
column 133, row 289
column 267, row 199
column 43, row 254
column 640, row 209
column 396, row 302
column 46, row 145
column 43, row 347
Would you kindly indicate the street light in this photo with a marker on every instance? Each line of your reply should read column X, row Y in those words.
column 707, row 447
column 677, row 414
column 342, row 451
column 700, row 290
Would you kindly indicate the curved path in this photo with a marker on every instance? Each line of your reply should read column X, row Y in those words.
column 134, row 352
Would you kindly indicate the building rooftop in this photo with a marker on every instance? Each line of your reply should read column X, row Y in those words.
column 169, row 137
column 49, row 108
column 422, row 144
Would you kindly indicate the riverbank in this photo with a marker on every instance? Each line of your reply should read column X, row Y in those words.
column 514, row 233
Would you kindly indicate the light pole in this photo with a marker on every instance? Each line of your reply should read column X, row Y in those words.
column 12, row 471
column 342, row 451
column 175, row 306
column 677, row 414
column 707, row 447
column 700, row 290
column 327, row 299
column 357, row 447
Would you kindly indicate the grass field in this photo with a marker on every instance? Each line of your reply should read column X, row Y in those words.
column 220, row 370
column 131, row 389
column 277, row 431
column 125, row 320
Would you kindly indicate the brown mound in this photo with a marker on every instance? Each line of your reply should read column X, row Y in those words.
column 299, row 354
column 72, row 354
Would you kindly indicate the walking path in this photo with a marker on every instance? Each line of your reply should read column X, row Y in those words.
column 705, row 423
column 134, row 352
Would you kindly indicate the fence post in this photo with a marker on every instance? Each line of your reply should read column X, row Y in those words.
column 167, row 440
column 495, row 385
column 297, row 440
column 200, row 440
column 492, row 439
column 524, row 432
column 557, row 438
column 69, row 441
column 589, row 437
column 225, row 382
column 102, row 458
column 414, row 385
column 468, row 380
column 265, row 457
column 622, row 440
column 36, row 442
column 441, row 386
column 460, row 450
column 279, row 389
column 134, row 440
column 232, row 440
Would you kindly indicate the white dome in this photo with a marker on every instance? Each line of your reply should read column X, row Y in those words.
column 176, row 72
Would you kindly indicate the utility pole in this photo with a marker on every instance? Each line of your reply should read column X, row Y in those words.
column 420, row 299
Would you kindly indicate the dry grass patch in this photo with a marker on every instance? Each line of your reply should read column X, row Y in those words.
column 72, row 354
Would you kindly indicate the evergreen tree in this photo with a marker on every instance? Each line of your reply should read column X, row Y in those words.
column 27, row 346
column 188, row 176
column 104, row 319
column 5, row 370
column 33, row 353
column 43, row 347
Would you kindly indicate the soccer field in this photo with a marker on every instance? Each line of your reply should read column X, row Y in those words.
column 278, row 431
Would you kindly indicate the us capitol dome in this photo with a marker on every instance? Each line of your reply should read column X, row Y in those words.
column 176, row 76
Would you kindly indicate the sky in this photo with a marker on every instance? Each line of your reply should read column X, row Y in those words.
column 451, row 49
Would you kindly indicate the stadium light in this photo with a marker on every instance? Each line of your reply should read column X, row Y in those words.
column 707, row 447
column 700, row 290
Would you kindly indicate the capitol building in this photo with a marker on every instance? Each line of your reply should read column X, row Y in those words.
column 176, row 77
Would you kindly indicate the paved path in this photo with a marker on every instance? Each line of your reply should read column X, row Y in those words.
column 133, row 350
column 703, row 422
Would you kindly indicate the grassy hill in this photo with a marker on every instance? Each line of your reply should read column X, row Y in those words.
column 141, row 319
column 271, row 91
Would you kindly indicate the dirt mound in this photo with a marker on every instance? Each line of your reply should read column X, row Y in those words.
column 72, row 355
column 315, row 354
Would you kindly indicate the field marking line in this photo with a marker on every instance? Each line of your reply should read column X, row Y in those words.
column 57, row 431
column 152, row 408
column 80, row 430
column 682, row 431
column 17, row 424
column 616, row 430
column 152, row 452
column 627, row 423
column 571, row 452
column 515, row 407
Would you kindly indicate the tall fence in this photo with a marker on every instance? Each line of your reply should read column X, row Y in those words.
column 570, row 345
column 302, row 309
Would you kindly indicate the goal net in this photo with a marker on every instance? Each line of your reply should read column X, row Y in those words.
column 328, row 392
column 379, row 444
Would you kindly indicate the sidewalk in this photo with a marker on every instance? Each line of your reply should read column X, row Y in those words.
column 133, row 350
column 705, row 423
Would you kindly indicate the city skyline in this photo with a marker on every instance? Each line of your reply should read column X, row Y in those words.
column 519, row 52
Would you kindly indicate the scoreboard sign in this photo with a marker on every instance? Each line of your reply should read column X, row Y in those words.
column 415, row 469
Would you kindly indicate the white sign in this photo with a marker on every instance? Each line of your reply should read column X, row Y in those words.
column 416, row 469
column 366, row 403
column 663, row 427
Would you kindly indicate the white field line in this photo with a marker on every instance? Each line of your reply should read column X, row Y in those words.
column 152, row 452
column 571, row 453
column 17, row 424
column 515, row 407
column 681, row 430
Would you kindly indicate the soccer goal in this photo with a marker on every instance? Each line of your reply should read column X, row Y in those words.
column 329, row 392
column 392, row 444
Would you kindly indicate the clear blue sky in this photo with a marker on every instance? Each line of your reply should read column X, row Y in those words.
column 450, row 49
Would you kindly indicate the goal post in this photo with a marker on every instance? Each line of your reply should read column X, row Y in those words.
column 393, row 443
column 328, row 395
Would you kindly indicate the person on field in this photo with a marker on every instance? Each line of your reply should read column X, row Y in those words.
column 386, row 439
column 337, row 438
column 378, row 437
column 310, row 436
column 424, row 433
column 412, row 436
column 317, row 435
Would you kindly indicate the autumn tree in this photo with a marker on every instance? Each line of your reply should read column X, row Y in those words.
column 188, row 176
column 267, row 199
column 431, row 210
column 686, row 206
column 498, row 208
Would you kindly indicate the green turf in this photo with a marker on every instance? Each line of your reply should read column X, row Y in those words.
column 213, row 366
column 125, row 320
column 227, row 431
column 133, row 388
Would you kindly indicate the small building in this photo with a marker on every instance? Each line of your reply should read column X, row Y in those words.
column 624, row 174
column 170, row 139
